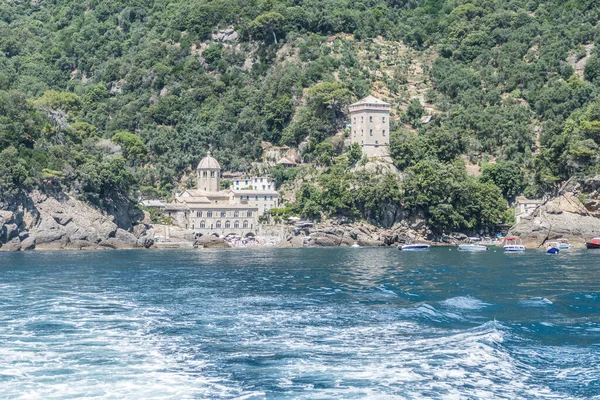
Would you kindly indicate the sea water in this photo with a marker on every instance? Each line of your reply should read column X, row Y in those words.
column 300, row 323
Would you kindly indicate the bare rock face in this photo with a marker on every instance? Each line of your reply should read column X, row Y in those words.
column 225, row 35
column 561, row 217
column 39, row 221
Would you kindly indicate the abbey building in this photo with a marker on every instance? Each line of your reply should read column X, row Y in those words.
column 211, row 210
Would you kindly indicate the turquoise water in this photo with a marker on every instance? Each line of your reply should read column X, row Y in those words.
column 299, row 323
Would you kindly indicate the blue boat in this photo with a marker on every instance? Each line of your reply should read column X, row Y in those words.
column 552, row 248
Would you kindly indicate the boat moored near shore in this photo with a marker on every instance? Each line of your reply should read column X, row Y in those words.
column 513, row 245
column 593, row 244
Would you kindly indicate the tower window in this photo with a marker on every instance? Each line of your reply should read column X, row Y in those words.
column 204, row 174
column 212, row 174
column 371, row 132
column 383, row 132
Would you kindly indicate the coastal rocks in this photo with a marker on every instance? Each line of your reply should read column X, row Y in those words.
column 564, row 216
column 212, row 242
column 43, row 222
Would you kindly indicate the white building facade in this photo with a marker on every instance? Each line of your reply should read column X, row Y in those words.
column 209, row 210
column 370, row 126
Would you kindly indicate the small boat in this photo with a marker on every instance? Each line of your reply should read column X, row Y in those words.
column 563, row 244
column 355, row 245
column 552, row 247
column 472, row 245
column 593, row 244
column 513, row 245
column 414, row 247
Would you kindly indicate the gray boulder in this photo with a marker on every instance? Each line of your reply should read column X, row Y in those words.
column 211, row 242
column 564, row 216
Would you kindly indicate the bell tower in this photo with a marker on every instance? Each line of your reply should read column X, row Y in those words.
column 209, row 174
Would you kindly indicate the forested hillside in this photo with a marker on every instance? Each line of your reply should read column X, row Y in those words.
column 107, row 97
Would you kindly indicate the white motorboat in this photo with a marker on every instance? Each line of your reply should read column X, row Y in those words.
column 513, row 245
column 563, row 244
column 473, row 244
column 414, row 247
column 355, row 245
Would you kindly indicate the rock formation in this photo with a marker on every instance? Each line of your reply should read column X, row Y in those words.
column 43, row 222
column 563, row 216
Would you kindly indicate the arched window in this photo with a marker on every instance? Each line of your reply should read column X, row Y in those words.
column 236, row 214
column 218, row 224
column 212, row 174
column 202, row 224
column 227, row 224
column 236, row 224
column 245, row 224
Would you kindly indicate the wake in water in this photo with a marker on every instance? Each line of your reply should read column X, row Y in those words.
column 288, row 326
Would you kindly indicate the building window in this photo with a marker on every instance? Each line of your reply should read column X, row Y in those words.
column 354, row 119
column 256, row 198
column 383, row 132
column 204, row 174
column 271, row 197
column 218, row 224
column 370, row 132
column 371, row 118
column 236, row 224
column 265, row 197
column 354, row 133
column 212, row 174
column 361, row 119
column 237, row 182
column 199, row 214
column 383, row 119
column 236, row 214
column 227, row 224
column 249, row 213
column 209, row 214
column 269, row 187
column 263, row 187
column 261, row 180
column 245, row 224
column 376, row 142
column 223, row 214
column 202, row 225
column 246, row 183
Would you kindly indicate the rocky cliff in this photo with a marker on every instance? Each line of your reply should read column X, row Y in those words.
column 563, row 216
column 58, row 221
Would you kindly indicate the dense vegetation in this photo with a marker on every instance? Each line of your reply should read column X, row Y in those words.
column 110, row 97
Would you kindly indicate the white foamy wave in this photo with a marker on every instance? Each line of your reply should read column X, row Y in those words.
column 465, row 303
column 97, row 346
column 536, row 302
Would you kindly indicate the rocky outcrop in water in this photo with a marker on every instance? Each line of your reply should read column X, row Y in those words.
column 561, row 217
column 52, row 222
column 338, row 233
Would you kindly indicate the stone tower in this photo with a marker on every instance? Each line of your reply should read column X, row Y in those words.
column 370, row 119
column 209, row 174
